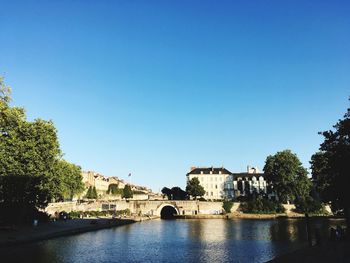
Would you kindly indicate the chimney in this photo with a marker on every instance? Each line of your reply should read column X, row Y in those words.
column 192, row 168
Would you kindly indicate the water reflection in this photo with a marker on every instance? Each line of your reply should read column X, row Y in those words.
column 174, row 241
column 288, row 229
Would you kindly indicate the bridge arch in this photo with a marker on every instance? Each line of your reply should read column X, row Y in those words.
column 167, row 211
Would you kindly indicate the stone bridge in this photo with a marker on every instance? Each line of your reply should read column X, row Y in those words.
column 144, row 207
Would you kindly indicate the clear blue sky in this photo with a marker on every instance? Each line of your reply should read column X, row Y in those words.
column 154, row 87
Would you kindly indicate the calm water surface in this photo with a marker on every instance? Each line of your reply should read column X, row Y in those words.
column 214, row 240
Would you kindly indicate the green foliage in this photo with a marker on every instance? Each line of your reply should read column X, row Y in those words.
column 322, row 182
column 178, row 193
column 5, row 92
column 309, row 205
column 114, row 190
column 32, row 171
column 194, row 188
column 227, row 205
column 262, row 205
column 127, row 192
column 288, row 176
column 91, row 193
column 71, row 179
column 175, row 193
column 78, row 214
column 94, row 193
column 166, row 191
column 74, row 214
column 28, row 149
column 331, row 166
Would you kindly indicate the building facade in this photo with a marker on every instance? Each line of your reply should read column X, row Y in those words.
column 250, row 182
column 220, row 183
column 217, row 182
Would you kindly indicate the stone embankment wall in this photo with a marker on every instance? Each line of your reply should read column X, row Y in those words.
column 119, row 197
column 139, row 207
column 149, row 207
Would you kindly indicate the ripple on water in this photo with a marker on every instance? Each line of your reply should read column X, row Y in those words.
column 211, row 240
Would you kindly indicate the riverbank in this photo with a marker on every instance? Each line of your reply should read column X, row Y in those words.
column 236, row 215
column 12, row 236
column 328, row 252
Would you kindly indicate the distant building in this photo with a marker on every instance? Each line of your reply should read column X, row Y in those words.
column 102, row 184
column 217, row 182
column 252, row 181
column 220, row 183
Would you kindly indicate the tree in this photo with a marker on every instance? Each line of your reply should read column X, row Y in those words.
column 89, row 193
column 331, row 166
column 71, row 179
column 178, row 193
column 94, row 193
column 227, row 205
column 194, row 188
column 113, row 189
column 166, row 191
column 32, row 172
column 261, row 205
column 29, row 149
column 289, row 178
column 127, row 192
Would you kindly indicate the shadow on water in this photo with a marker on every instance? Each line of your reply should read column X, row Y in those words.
column 211, row 240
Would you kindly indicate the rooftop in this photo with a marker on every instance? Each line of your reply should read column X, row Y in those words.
column 208, row 170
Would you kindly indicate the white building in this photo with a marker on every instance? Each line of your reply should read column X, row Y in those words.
column 217, row 182
column 220, row 183
column 252, row 181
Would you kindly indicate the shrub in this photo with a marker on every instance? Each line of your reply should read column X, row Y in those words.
column 262, row 205
column 310, row 205
column 227, row 205
column 76, row 214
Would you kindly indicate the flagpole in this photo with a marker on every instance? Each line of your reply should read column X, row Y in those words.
column 129, row 175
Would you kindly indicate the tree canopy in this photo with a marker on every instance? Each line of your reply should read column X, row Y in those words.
column 91, row 193
column 194, row 188
column 31, row 163
column 178, row 193
column 289, row 178
column 166, row 191
column 127, row 192
column 175, row 193
column 113, row 189
column 331, row 166
column 70, row 179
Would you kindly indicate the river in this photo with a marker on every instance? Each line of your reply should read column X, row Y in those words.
column 206, row 240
